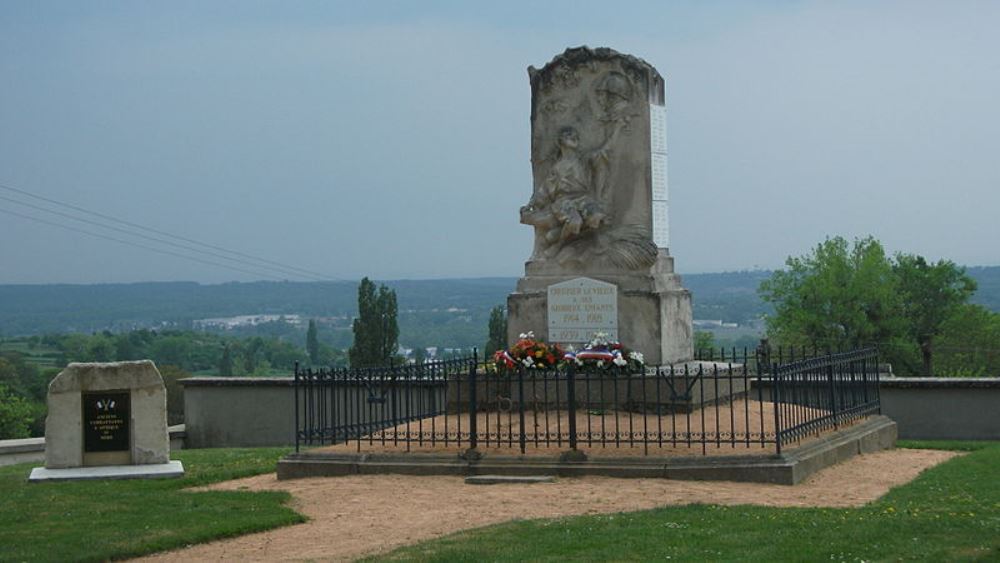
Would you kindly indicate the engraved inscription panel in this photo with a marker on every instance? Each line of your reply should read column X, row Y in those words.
column 661, row 230
column 580, row 307
column 658, row 179
column 106, row 417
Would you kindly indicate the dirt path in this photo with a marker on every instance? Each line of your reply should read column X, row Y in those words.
column 369, row 514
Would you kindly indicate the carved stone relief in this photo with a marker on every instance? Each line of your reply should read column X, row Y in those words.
column 590, row 167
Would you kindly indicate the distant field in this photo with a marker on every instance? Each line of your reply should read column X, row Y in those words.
column 739, row 337
column 41, row 356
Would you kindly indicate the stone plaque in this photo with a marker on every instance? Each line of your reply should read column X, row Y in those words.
column 106, row 417
column 580, row 307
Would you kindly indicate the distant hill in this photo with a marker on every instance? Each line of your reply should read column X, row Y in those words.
column 729, row 296
column 451, row 312
column 37, row 309
column 988, row 279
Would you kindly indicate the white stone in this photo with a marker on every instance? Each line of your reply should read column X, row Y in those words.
column 148, row 440
column 150, row 471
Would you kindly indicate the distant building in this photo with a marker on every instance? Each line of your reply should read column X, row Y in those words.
column 229, row 323
column 713, row 323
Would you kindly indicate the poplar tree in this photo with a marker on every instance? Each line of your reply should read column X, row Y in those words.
column 388, row 327
column 376, row 332
column 226, row 363
column 312, row 343
column 497, row 331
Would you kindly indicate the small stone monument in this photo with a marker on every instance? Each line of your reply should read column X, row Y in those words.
column 107, row 420
column 601, row 259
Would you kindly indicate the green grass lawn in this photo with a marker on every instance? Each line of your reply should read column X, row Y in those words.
column 949, row 513
column 100, row 520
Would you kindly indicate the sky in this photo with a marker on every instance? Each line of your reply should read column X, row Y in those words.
column 391, row 139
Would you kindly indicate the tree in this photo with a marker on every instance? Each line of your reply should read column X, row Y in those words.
column 419, row 355
column 388, row 312
column 252, row 355
column 74, row 347
column 174, row 350
column 497, row 331
column 312, row 343
column 15, row 415
column 101, row 348
column 226, row 362
column 851, row 297
column 835, row 297
column 969, row 343
column 931, row 294
column 704, row 340
column 125, row 349
column 376, row 332
column 330, row 356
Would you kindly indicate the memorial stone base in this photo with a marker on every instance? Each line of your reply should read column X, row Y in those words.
column 654, row 310
column 166, row 470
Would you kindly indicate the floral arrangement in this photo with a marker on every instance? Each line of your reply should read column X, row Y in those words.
column 529, row 352
column 599, row 353
column 603, row 353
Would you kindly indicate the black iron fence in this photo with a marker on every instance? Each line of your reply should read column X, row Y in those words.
column 764, row 354
column 337, row 405
column 726, row 402
column 824, row 392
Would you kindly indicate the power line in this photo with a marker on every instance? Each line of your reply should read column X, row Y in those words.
column 135, row 244
column 147, row 237
column 262, row 262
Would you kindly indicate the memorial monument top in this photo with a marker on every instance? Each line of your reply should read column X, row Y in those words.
column 596, row 131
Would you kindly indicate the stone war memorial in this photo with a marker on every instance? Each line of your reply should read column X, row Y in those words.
column 107, row 421
column 601, row 261
column 600, row 278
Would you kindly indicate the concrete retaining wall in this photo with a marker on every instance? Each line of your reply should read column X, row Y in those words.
column 224, row 412
column 935, row 408
column 252, row 411
column 260, row 411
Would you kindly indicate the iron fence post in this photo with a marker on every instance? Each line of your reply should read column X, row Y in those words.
column 520, row 408
column 833, row 395
column 763, row 358
column 776, row 392
column 473, row 431
column 295, row 386
column 571, row 403
column 878, row 381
